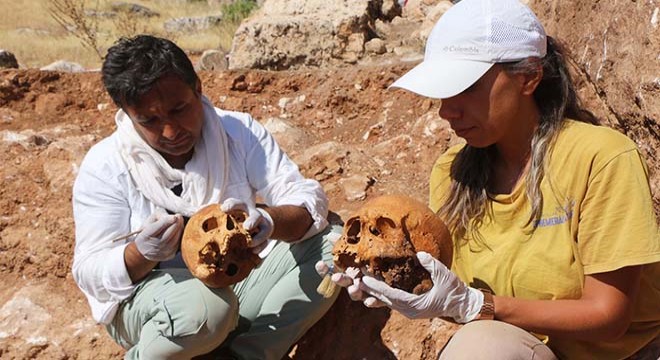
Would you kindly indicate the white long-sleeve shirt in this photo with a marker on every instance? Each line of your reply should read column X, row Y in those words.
column 106, row 204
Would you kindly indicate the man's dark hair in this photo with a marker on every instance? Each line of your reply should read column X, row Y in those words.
column 133, row 65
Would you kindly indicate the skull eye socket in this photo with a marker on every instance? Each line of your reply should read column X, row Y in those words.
column 382, row 223
column 353, row 233
column 209, row 224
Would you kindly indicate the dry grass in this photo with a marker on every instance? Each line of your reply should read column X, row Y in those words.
column 29, row 31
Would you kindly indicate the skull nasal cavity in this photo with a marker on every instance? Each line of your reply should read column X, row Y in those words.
column 230, row 223
column 353, row 233
column 209, row 224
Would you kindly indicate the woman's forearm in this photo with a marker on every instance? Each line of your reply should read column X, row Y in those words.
column 603, row 312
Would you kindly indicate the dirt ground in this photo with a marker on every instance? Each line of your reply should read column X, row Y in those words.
column 341, row 125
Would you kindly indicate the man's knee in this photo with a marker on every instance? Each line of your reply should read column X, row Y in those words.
column 222, row 305
column 193, row 321
column 318, row 247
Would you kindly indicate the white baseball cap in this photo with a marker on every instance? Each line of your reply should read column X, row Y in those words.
column 468, row 39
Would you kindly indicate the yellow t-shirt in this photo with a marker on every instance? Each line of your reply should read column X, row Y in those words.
column 597, row 217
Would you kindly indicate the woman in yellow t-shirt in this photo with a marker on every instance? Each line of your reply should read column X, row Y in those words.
column 557, row 251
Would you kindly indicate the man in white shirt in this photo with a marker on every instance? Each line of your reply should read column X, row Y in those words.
column 173, row 153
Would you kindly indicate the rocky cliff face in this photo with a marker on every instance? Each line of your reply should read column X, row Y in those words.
column 616, row 53
column 287, row 34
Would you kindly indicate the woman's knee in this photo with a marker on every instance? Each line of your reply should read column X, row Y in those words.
column 494, row 340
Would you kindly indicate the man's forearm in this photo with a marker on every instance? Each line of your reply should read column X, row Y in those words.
column 291, row 222
column 137, row 265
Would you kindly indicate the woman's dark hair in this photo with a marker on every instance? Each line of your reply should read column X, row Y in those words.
column 467, row 201
column 133, row 65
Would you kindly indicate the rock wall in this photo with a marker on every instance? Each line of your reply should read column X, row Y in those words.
column 615, row 50
column 286, row 34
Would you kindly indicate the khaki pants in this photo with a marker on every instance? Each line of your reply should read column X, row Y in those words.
column 172, row 315
column 494, row 340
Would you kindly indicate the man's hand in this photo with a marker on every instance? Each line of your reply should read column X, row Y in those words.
column 259, row 223
column 160, row 236
column 448, row 297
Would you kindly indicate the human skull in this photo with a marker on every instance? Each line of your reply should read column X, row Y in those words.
column 383, row 237
column 215, row 247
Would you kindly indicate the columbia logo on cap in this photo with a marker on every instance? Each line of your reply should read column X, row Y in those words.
column 461, row 49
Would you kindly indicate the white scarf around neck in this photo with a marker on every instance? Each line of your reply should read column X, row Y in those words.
column 203, row 179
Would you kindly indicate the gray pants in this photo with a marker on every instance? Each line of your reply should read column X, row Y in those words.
column 172, row 315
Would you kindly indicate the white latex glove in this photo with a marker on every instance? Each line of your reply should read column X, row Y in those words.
column 160, row 236
column 258, row 223
column 449, row 296
column 323, row 269
column 351, row 281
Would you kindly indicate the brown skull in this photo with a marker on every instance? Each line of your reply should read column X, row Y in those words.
column 215, row 247
column 383, row 237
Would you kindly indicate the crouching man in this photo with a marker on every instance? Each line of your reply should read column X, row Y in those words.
column 172, row 153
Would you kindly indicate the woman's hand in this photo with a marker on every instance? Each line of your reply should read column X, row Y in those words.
column 449, row 296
